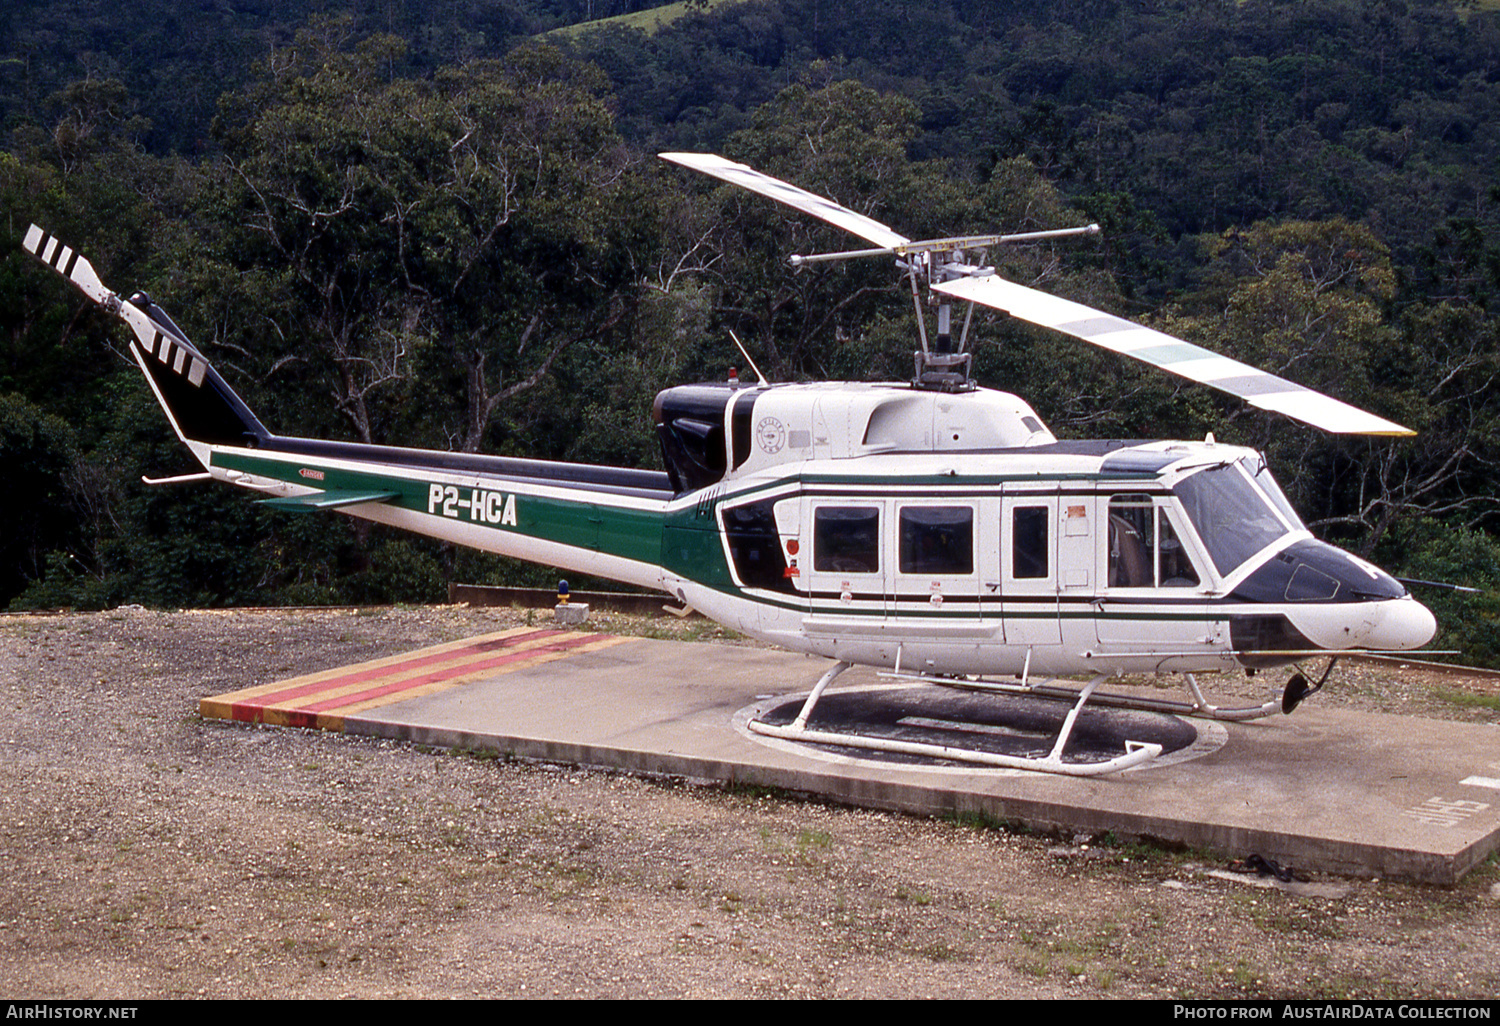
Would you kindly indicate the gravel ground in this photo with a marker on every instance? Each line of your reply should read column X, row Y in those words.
column 148, row 853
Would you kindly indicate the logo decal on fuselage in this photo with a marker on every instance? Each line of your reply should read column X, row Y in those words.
column 770, row 435
column 479, row 504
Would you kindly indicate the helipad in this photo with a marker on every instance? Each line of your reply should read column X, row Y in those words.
column 1327, row 789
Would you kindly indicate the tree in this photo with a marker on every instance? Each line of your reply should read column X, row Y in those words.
column 540, row 229
column 37, row 453
column 474, row 225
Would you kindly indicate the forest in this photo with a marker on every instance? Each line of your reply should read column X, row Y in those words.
column 445, row 226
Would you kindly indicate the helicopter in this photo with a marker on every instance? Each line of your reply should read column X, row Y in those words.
column 933, row 529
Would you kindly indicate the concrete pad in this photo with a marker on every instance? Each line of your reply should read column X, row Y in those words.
column 1326, row 790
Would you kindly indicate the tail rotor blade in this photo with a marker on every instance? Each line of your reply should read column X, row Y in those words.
column 201, row 406
column 67, row 263
column 161, row 340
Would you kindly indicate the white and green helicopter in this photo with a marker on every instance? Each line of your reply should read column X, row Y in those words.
column 930, row 528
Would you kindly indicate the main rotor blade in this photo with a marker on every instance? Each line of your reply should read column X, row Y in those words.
column 782, row 192
column 1256, row 387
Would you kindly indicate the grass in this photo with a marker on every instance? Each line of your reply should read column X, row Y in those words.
column 939, row 951
column 982, row 820
column 804, row 851
column 696, row 629
column 762, row 793
column 916, row 897
column 1467, row 699
column 807, row 839
column 649, row 22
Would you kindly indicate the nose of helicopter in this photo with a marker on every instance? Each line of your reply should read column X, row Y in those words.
column 1384, row 625
column 1337, row 601
column 1400, row 625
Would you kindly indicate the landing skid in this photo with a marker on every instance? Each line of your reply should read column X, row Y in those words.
column 1136, row 753
column 1199, row 706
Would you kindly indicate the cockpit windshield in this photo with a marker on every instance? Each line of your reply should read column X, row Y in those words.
column 1261, row 475
column 1237, row 510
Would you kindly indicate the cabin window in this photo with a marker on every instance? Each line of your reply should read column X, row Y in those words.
column 1028, row 542
column 846, row 540
column 755, row 546
column 937, row 540
column 1144, row 548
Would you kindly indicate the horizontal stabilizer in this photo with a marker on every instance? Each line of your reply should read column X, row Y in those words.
column 326, row 500
column 1254, row 386
column 783, row 192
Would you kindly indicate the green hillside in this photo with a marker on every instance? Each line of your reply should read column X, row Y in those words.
column 422, row 225
column 648, row 21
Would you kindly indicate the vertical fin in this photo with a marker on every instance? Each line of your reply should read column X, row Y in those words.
column 198, row 402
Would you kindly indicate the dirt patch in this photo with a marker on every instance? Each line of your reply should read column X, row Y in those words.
column 149, row 853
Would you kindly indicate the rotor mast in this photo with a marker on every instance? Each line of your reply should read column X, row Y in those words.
column 940, row 364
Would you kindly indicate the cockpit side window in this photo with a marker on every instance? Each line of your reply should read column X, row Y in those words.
column 1173, row 567
column 1130, row 534
column 1260, row 473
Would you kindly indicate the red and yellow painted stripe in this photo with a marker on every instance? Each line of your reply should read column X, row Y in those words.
column 323, row 699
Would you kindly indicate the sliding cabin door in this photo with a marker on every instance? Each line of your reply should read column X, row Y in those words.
column 937, row 578
column 1023, row 586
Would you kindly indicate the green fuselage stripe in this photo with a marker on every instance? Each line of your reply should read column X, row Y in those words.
column 594, row 526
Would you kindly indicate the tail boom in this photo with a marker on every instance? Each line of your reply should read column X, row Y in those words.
column 559, row 514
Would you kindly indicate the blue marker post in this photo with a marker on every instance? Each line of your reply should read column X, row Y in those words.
column 577, row 612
